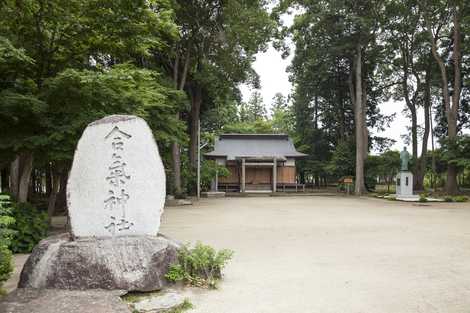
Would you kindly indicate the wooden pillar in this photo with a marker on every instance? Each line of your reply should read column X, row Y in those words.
column 274, row 174
column 242, row 188
column 216, row 179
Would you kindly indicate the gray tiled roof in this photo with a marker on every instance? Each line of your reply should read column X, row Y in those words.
column 233, row 146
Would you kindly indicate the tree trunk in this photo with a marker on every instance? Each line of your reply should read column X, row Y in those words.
column 433, row 156
column 176, row 157
column 61, row 200
column 15, row 177
column 411, row 99
column 175, row 148
column 360, row 188
column 451, row 182
column 452, row 112
column 26, row 167
column 196, row 100
column 4, row 180
column 364, row 120
column 414, row 136
column 48, row 171
column 55, row 184
column 421, row 166
column 315, row 113
column 33, row 185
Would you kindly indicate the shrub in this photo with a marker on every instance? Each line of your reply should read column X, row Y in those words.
column 210, row 169
column 30, row 227
column 199, row 266
column 448, row 199
column 6, row 266
column 460, row 198
column 5, row 236
column 422, row 198
column 370, row 182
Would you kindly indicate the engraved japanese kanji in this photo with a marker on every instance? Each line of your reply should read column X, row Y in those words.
column 115, row 202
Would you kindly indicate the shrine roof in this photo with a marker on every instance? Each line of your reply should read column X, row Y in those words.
column 235, row 146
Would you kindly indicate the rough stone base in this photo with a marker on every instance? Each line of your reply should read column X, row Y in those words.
column 30, row 300
column 126, row 263
column 178, row 202
column 159, row 303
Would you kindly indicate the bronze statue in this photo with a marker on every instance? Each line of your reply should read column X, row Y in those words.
column 405, row 159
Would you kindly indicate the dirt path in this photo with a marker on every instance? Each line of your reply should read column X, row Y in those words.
column 331, row 254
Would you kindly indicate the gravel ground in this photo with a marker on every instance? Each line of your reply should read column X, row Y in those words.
column 331, row 254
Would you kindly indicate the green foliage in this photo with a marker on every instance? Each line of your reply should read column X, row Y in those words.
column 326, row 35
column 256, row 127
column 6, row 222
column 423, row 198
column 385, row 166
column 77, row 98
column 448, row 199
column 6, row 266
column 199, row 266
column 6, row 219
column 64, row 65
column 283, row 117
column 460, row 198
column 370, row 182
column 342, row 160
column 30, row 227
column 457, row 151
column 209, row 170
column 254, row 109
column 455, row 198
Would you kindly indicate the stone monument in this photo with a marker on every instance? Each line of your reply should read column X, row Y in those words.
column 404, row 184
column 115, row 198
column 117, row 181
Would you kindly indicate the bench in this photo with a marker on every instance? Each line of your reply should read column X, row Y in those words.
column 229, row 187
column 285, row 186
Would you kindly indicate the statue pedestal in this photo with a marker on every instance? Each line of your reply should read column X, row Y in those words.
column 404, row 185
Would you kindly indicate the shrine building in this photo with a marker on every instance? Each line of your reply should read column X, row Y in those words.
column 257, row 163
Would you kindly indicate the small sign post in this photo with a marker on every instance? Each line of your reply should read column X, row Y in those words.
column 348, row 181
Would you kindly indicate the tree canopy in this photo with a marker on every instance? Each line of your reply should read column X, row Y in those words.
column 180, row 64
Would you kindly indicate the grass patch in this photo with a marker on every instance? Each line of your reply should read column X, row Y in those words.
column 186, row 305
column 200, row 266
column 460, row 198
column 455, row 198
column 448, row 199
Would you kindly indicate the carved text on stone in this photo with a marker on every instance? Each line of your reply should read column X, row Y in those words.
column 117, row 179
